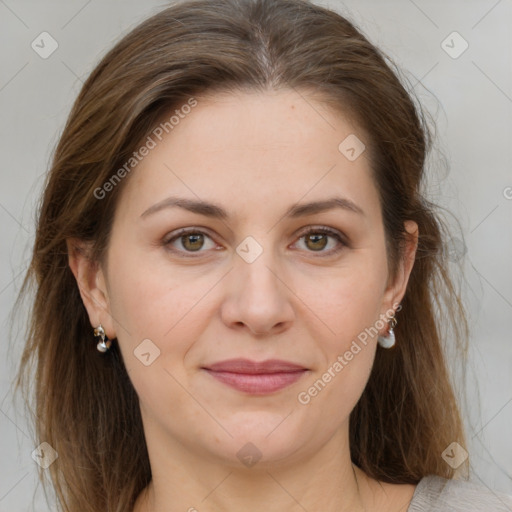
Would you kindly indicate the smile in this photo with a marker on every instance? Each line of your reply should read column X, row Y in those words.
column 256, row 378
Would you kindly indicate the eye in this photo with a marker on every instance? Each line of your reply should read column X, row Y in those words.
column 316, row 239
column 188, row 241
column 191, row 241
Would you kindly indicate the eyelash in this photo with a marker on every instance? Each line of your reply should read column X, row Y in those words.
column 316, row 230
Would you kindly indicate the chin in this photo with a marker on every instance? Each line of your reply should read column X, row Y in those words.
column 260, row 440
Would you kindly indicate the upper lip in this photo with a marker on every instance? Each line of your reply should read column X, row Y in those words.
column 255, row 367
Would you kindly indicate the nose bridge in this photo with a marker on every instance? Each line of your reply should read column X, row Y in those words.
column 255, row 263
column 258, row 298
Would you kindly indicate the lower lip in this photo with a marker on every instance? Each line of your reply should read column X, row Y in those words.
column 257, row 384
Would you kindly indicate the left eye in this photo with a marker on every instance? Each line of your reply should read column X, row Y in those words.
column 315, row 240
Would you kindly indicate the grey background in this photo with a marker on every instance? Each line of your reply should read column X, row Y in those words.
column 470, row 98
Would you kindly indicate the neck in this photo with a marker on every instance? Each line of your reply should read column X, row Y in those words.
column 182, row 481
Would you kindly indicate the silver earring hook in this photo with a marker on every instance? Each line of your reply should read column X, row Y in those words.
column 103, row 345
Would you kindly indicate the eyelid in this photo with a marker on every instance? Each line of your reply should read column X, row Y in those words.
column 175, row 235
column 184, row 231
column 332, row 232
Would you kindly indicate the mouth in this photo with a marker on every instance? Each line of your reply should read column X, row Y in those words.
column 256, row 378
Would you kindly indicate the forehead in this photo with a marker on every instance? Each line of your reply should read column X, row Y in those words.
column 272, row 147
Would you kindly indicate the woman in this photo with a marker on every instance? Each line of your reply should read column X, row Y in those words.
column 238, row 277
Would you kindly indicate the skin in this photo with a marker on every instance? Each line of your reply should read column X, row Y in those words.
column 254, row 154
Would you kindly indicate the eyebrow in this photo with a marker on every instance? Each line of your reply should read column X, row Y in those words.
column 215, row 211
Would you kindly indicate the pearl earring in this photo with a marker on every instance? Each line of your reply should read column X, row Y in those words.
column 103, row 345
column 388, row 340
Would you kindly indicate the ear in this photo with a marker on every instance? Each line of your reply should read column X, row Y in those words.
column 91, row 282
column 396, row 288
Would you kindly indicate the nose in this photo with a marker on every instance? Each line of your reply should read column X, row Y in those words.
column 258, row 297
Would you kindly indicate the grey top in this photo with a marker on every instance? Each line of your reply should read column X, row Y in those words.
column 436, row 494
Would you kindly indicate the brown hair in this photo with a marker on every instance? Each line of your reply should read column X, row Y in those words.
column 85, row 404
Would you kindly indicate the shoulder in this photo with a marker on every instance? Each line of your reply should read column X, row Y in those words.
column 435, row 493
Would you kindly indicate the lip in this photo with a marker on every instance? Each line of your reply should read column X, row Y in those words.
column 255, row 367
column 256, row 377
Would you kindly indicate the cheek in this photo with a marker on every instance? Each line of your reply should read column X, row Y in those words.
column 348, row 304
column 339, row 388
column 157, row 324
column 149, row 302
column 348, row 355
column 346, row 300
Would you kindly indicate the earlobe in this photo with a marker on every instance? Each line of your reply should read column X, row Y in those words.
column 91, row 284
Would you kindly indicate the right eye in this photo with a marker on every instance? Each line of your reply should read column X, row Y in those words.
column 191, row 241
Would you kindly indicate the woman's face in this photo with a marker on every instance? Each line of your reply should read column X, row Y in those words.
column 254, row 174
